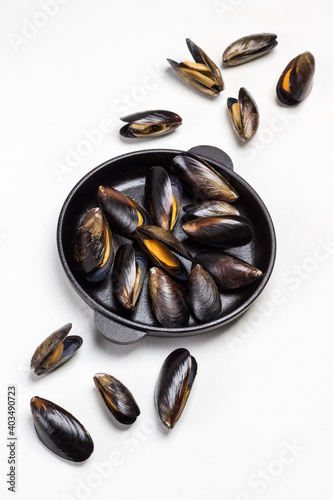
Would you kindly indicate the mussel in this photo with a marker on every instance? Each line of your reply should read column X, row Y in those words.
column 174, row 385
column 168, row 300
column 164, row 195
column 93, row 249
column 221, row 231
column 248, row 47
column 59, row 431
column 203, row 295
column 128, row 274
column 55, row 350
column 227, row 271
column 118, row 399
column 159, row 244
column 244, row 115
column 295, row 82
column 150, row 123
column 210, row 207
column 202, row 179
column 123, row 213
column 203, row 74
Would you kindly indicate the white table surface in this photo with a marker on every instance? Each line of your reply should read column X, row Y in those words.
column 259, row 421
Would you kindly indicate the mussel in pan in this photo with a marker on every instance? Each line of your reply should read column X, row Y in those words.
column 128, row 274
column 151, row 123
column 118, row 399
column 174, row 385
column 203, row 295
column 244, row 115
column 210, row 207
column 60, row 431
column 249, row 47
column 93, row 249
column 295, row 82
column 55, row 350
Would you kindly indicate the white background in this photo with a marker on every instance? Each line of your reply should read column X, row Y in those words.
column 259, row 421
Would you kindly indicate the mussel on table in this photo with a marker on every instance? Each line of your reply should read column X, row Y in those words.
column 123, row 213
column 55, row 350
column 249, row 47
column 128, row 275
column 60, row 431
column 210, row 207
column 295, row 82
column 244, row 115
column 221, row 231
column 203, row 295
column 151, row 123
column 203, row 74
column 174, row 385
column 227, row 271
column 93, row 248
column 164, row 196
column 168, row 300
column 201, row 179
column 118, row 399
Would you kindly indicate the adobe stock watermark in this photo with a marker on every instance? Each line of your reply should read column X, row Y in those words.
column 291, row 280
column 31, row 27
column 263, row 477
column 223, row 7
column 93, row 137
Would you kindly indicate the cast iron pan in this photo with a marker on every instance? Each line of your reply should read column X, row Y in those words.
column 127, row 173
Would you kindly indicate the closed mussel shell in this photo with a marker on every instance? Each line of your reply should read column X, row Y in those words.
column 128, row 275
column 150, row 123
column 60, row 431
column 203, row 295
column 249, row 47
column 168, row 300
column 210, row 207
column 221, row 231
column 244, row 115
column 118, row 399
column 295, row 82
column 55, row 350
column 174, row 385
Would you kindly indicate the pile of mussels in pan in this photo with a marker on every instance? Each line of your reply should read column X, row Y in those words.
column 174, row 292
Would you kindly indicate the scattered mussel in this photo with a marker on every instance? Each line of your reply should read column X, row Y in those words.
column 118, row 399
column 203, row 74
column 244, row 115
column 93, row 249
column 203, row 295
column 249, row 47
column 295, row 82
column 210, row 207
column 59, row 431
column 128, row 274
column 55, row 350
column 150, row 124
column 174, row 385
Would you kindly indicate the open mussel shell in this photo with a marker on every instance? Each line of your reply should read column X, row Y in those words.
column 210, row 207
column 123, row 213
column 168, row 299
column 174, row 385
column 203, row 295
column 59, row 431
column 118, row 399
column 227, row 271
column 150, row 123
column 93, row 248
column 202, row 75
column 201, row 179
column 295, row 82
column 55, row 350
column 159, row 244
column 244, row 115
column 249, row 47
column 163, row 195
column 128, row 275
column 223, row 231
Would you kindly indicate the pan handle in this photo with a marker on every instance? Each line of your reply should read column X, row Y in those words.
column 214, row 154
column 116, row 332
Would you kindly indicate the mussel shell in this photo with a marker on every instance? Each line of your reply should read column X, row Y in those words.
column 227, row 271
column 248, row 112
column 118, row 399
column 60, row 431
column 221, row 231
column 93, row 249
column 50, row 344
column 203, row 295
column 168, row 300
column 210, row 207
column 174, row 385
column 159, row 196
column 299, row 82
column 202, row 179
column 150, row 123
column 201, row 57
column 249, row 47
column 129, row 265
